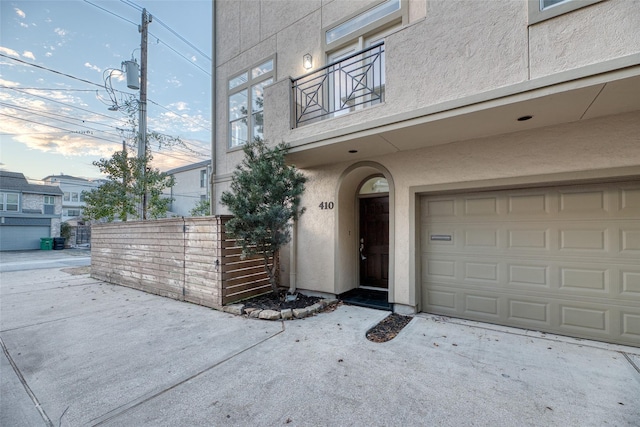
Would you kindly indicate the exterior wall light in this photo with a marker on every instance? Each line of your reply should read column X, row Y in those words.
column 307, row 61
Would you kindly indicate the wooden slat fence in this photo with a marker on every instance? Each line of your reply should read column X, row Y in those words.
column 188, row 259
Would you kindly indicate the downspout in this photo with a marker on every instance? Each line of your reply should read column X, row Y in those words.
column 214, row 127
column 293, row 258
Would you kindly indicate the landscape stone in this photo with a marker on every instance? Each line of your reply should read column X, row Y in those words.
column 234, row 309
column 329, row 301
column 299, row 313
column 314, row 308
column 255, row 314
column 286, row 314
column 269, row 314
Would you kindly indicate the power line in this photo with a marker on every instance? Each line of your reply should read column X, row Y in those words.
column 111, row 13
column 60, row 102
column 187, row 42
column 49, row 69
column 178, row 114
column 57, row 127
column 65, row 121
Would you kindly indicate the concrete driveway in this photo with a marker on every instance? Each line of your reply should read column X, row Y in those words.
column 77, row 352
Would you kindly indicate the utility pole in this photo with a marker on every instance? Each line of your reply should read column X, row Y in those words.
column 142, row 120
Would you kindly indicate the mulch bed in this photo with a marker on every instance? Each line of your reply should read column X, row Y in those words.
column 278, row 302
column 388, row 328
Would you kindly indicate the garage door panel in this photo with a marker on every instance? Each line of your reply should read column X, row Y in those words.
column 584, row 318
column 536, row 204
column 563, row 260
column 630, row 282
column 527, row 275
column 528, row 312
column 630, row 325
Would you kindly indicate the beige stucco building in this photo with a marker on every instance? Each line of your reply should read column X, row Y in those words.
column 473, row 159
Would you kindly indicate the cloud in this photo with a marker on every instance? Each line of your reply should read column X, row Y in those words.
column 20, row 13
column 61, row 32
column 180, row 106
column 194, row 59
column 9, row 52
column 92, row 67
column 8, row 83
column 23, row 25
column 28, row 54
column 174, row 81
column 48, row 54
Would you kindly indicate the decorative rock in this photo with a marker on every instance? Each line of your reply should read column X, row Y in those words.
column 237, row 309
column 269, row 315
column 299, row 313
column 314, row 308
column 250, row 310
column 255, row 314
column 286, row 314
column 329, row 301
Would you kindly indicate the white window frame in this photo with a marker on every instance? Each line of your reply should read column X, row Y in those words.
column 366, row 27
column 247, row 83
column 539, row 13
column 4, row 203
column 203, row 178
column 49, row 200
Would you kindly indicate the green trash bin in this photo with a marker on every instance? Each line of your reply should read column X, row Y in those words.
column 46, row 243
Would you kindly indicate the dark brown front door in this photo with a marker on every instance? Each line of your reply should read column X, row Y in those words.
column 374, row 242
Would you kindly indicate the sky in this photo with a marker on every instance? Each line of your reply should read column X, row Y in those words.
column 61, row 72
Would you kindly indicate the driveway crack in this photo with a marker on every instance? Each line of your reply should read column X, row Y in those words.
column 152, row 395
column 33, row 397
column 631, row 361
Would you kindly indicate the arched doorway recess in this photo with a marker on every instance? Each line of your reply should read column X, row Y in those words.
column 356, row 179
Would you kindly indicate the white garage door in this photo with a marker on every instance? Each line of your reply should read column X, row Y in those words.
column 22, row 237
column 563, row 259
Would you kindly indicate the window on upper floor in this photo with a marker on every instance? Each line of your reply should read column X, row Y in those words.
column 203, row 178
column 383, row 14
column 49, row 205
column 82, row 196
column 75, row 197
column 9, row 202
column 74, row 212
column 541, row 10
column 67, row 196
column 246, row 98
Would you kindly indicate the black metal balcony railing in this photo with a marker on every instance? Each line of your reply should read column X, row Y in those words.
column 353, row 82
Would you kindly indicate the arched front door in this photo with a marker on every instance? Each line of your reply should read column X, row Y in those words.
column 373, row 199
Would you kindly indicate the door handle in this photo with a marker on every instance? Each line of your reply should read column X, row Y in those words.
column 362, row 257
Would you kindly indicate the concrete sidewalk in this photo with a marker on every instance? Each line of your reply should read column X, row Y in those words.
column 77, row 351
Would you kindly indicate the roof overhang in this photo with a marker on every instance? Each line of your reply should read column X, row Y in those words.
column 563, row 98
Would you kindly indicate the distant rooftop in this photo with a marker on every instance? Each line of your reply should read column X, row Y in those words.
column 189, row 167
column 15, row 181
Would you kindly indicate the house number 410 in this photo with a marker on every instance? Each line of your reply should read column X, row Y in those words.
column 325, row 205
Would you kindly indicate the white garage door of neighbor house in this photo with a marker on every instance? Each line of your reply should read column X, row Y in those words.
column 564, row 259
column 21, row 237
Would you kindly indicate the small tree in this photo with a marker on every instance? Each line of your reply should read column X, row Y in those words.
column 264, row 199
column 203, row 208
column 120, row 196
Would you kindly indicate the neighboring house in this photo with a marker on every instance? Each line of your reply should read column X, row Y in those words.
column 474, row 159
column 28, row 212
column 73, row 189
column 191, row 186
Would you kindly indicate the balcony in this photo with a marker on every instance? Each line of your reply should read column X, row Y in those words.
column 352, row 83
